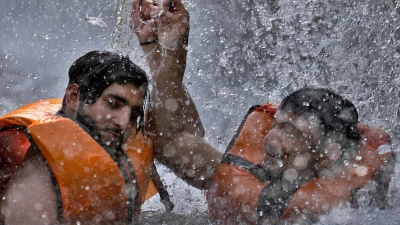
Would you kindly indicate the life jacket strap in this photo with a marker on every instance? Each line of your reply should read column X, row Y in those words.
column 256, row 169
column 276, row 196
column 274, row 199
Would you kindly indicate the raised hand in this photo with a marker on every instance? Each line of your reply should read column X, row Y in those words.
column 166, row 23
column 173, row 25
column 142, row 20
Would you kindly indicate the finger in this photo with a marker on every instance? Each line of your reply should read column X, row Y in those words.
column 136, row 4
column 153, row 10
column 173, row 5
column 178, row 11
column 143, row 8
column 135, row 14
column 155, row 2
column 143, row 26
column 138, row 7
column 168, row 5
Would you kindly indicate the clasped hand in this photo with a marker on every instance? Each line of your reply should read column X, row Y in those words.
column 165, row 23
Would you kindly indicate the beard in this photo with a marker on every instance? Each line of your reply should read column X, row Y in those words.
column 88, row 121
column 275, row 166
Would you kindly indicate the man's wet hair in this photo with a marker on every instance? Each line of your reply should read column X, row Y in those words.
column 336, row 114
column 97, row 70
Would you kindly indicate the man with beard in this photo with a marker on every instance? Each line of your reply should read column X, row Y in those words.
column 292, row 163
column 286, row 165
column 91, row 161
column 77, row 165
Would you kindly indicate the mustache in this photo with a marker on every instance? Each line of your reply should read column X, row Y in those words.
column 118, row 132
column 115, row 130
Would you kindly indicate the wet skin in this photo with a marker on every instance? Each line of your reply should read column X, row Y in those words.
column 291, row 145
column 113, row 116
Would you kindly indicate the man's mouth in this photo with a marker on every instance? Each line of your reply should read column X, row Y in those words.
column 272, row 158
column 114, row 135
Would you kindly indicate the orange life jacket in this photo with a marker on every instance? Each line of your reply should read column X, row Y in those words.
column 235, row 194
column 92, row 180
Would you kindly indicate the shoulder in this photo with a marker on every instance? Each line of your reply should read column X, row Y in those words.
column 30, row 195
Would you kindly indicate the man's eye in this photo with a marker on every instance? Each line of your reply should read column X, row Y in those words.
column 289, row 133
column 113, row 104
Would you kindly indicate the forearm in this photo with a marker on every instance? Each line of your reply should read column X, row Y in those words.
column 172, row 109
column 191, row 158
column 177, row 128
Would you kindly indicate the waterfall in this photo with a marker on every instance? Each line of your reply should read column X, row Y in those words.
column 241, row 53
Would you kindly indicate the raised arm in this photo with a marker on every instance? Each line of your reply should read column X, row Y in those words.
column 175, row 125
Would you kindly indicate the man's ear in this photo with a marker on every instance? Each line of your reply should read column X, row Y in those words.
column 72, row 99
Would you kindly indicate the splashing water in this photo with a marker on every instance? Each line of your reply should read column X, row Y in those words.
column 241, row 53
column 244, row 53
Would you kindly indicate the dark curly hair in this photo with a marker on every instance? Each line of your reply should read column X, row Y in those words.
column 97, row 70
column 337, row 114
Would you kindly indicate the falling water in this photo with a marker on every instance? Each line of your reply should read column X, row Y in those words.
column 241, row 53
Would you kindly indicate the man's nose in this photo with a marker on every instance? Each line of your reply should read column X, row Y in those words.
column 274, row 142
column 123, row 118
